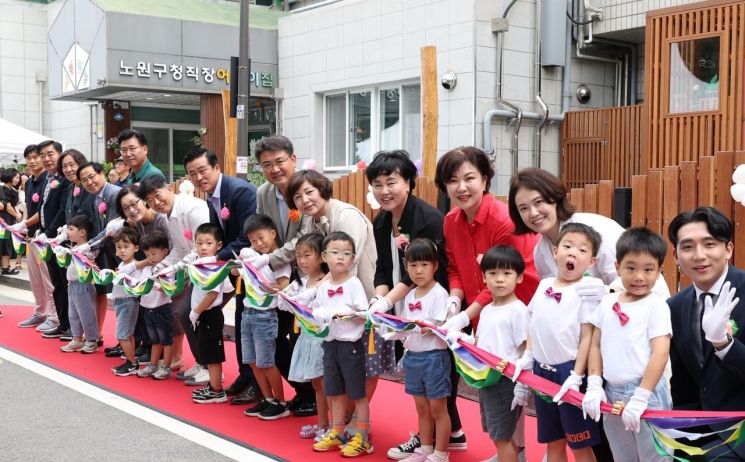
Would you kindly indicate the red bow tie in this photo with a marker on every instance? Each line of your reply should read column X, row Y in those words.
column 415, row 306
column 556, row 295
column 623, row 317
column 338, row 291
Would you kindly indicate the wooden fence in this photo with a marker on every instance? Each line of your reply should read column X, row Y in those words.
column 602, row 144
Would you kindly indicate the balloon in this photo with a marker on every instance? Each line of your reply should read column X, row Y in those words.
column 418, row 165
column 739, row 174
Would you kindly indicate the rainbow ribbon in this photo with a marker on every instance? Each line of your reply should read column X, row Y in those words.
column 259, row 290
column 304, row 316
column 41, row 249
column 19, row 242
column 172, row 284
column 207, row 276
column 136, row 287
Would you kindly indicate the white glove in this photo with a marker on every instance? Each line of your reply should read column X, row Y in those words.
column 164, row 271
column 454, row 335
column 323, row 315
column 381, row 305
column 306, row 296
column 525, row 363
column 114, row 226
column 61, row 234
column 194, row 318
column 259, row 261
column 453, row 305
column 593, row 397
column 591, row 289
column 60, row 251
column 203, row 260
column 82, row 248
column 20, row 227
column 156, row 269
column 457, row 322
column 634, row 409
column 189, row 258
column 521, row 394
column 573, row 382
column 716, row 316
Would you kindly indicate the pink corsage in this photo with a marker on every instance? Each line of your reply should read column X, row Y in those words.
column 35, row 198
column 402, row 241
column 187, row 234
column 102, row 208
column 76, row 191
column 54, row 184
column 224, row 213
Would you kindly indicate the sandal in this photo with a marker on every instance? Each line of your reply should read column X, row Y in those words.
column 309, row 431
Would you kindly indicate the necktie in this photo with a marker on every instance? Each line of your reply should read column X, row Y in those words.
column 698, row 335
column 415, row 306
column 551, row 293
column 338, row 291
column 216, row 205
column 623, row 317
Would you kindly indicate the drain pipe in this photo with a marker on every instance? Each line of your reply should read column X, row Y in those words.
column 537, row 18
column 500, row 28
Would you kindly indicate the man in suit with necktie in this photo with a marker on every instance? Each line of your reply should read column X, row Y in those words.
column 231, row 201
column 707, row 351
column 276, row 157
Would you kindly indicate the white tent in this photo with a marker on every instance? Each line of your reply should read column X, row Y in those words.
column 14, row 139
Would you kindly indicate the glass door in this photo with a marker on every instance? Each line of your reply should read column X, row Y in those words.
column 167, row 145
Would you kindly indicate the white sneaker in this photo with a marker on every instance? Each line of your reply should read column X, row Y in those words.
column 521, row 457
column 89, row 347
column 162, row 373
column 72, row 347
column 202, row 378
column 33, row 321
column 189, row 373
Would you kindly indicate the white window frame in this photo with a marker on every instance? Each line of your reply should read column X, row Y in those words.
column 374, row 119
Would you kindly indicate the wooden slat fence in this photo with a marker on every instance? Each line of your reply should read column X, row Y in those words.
column 714, row 120
column 602, row 144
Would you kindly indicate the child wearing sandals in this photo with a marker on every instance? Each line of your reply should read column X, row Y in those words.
column 307, row 356
column 426, row 361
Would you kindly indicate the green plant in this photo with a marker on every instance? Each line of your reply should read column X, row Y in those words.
column 255, row 174
column 107, row 166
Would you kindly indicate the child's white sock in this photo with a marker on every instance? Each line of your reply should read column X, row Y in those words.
column 427, row 448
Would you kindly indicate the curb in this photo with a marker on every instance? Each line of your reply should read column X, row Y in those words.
column 16, row 283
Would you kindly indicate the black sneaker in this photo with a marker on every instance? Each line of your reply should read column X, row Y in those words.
column 306, row 409
column 274, row 410
column 144, row 358
column 256, row 409
column 200, row 391
column 142, row 349
column 113, row 352
column 210, row 396
column 54, row 333
column 405, row 449
column 236, row 387
column 457, row 443
column 126, row 369
column 66, row 336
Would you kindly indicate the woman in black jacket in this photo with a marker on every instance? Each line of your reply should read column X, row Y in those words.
column 403, row 218
column 10, row 215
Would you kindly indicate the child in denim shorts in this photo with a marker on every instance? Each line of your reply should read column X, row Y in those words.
column 127, row 306
column 157, row 304
column 630, row 348
column 426, row 361
column 259, row 324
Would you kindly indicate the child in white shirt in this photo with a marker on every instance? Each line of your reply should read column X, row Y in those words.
column 259, row 322
column 426, row 361
column 630, row 348
column 503, row 331
column 126, row 306
column 158, row 315
column 207, row 318
column 343, row 348
column 559, row 340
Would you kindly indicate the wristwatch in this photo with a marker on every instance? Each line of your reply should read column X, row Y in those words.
column 729, row 342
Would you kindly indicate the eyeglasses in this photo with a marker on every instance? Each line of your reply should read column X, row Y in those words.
column 337, row 254
column 277, row 163
column 132, row 205
column 131, row 149
column 89, row 178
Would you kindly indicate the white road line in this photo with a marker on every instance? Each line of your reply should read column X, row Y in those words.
column 177, row 427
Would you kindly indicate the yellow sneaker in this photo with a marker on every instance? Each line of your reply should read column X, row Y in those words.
column 329, row 442
column 357, row 447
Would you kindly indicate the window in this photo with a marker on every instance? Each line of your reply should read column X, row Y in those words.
column 362, row 122
column 694, row 75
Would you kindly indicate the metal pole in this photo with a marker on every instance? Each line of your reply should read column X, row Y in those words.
column 243, row 83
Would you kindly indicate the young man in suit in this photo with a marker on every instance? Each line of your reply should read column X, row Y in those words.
column 231, row 201
column 707, row 351
column 50, row 217
column 276, row 157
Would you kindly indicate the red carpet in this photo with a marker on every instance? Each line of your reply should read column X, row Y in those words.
column 392, row 412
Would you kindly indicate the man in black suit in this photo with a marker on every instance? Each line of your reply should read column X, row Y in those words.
column 231, row 201
column 707, row 352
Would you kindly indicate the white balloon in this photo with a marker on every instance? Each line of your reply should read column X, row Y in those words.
column 738, row 176
column 738, row 192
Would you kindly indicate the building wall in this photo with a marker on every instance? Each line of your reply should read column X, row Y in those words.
column 629, row 14
column 345, row 45
column 23, row 58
